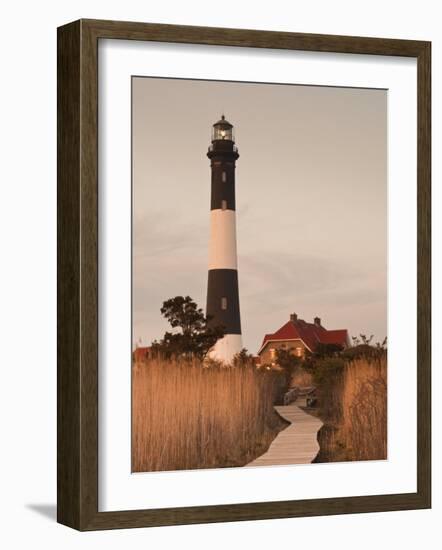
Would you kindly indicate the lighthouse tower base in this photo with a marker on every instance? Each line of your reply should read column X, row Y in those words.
column 226, row 348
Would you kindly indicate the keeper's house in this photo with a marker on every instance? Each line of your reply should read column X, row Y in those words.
column 301, row 337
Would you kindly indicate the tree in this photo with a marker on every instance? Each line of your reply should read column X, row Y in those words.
column 196, row 337
column 366, row 341
column 328, row 350
column 382, row 345
column 243, row 358
column 288, row 362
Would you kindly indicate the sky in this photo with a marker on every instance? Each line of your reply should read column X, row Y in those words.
column 311, row 202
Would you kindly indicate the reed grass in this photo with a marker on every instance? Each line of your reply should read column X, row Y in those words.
column 363, row 428
column 186, row 416
column 354, row 408
column 301, row 377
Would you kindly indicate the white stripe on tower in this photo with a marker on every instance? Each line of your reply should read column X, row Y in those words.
column 222, row 244
column 226, row 348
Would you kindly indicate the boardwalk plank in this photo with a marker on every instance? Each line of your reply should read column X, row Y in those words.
column 297, row 444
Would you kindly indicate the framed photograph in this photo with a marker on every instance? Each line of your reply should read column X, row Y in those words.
column 243, row 274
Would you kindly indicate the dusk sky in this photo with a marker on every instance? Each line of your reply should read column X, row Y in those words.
column 311, row 202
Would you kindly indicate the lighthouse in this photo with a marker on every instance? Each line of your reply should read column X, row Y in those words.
column 222, row 286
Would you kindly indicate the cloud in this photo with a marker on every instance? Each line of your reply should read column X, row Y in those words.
column 169, row 259
column 158, row 233
column 271, row 287
column 345, row 294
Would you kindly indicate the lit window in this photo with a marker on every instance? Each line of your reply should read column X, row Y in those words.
column 224, row 205
column 272, row 353
column 299, row 352
column 224, row 177
column 223, row 303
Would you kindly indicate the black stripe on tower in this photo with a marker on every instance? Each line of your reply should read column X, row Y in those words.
column 223, row 155
column 223, row 186
column 223, row 300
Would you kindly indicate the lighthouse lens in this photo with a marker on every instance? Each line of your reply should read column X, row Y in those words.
column 222, row 133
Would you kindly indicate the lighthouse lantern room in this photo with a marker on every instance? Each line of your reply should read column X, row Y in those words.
column 223, row 130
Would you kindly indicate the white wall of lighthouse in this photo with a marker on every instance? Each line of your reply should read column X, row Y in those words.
column 222, row 244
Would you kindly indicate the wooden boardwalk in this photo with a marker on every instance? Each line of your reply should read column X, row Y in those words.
column 296, row 444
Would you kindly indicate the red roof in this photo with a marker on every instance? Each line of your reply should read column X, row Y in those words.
column 141, row 353
column 334, row 337
column 310, row 333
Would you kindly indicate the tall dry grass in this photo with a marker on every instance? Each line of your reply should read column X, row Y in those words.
column 364, row 409
column 355, row 412
column 301, row 377
column 185, row 416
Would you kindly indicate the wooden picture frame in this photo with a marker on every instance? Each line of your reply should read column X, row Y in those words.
column 77, row 226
